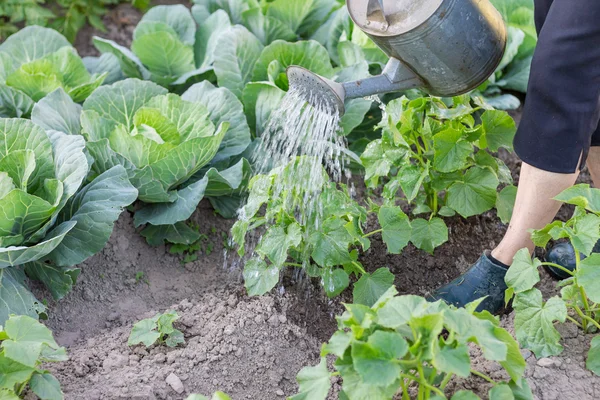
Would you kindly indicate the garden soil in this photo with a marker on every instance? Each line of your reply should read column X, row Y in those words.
column 251, row 348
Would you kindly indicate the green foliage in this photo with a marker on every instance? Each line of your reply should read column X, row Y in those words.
column 436, row 155
column 17, row 12
column 535, row 318
column 399, row 344
column 74, row 14
column 51, row 221
column 513, row 71
column 66, row 16
column 156, row 329
column 24, row 345
column 329, row 250
column 35, row 62
column 245, row 46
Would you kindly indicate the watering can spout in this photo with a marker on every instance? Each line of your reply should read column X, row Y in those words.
column 396, row 77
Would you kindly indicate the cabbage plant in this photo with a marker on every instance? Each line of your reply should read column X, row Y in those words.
column 513, row 71
column 174, row 46
column 49, row 221
column 36, row 61
column 163, row 48
column 175, row 150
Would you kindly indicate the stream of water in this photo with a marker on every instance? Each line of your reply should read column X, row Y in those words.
column 303, row 125
column 306, row 126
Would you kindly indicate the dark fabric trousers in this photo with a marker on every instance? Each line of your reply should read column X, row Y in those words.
column 562, row 108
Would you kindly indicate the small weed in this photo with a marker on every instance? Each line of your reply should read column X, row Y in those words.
column 189, row 258
column 209, row 248
column 227, row 242
column 139, row 277
column 190, row 252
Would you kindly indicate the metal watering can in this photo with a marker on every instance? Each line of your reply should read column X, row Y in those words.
column 443, row 47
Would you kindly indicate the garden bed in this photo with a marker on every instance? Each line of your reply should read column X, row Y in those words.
column 251, row 348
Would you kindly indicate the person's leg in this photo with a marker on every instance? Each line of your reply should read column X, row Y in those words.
column 560, row 118
column 593, row 164
column 534, row 209
column 561, row 113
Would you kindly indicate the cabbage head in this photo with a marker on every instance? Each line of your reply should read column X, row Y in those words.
column 35, row 62
column 168, row 145
column 159, row 138
column 49, row 221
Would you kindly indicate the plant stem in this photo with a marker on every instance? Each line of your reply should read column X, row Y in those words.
column 447, row 379
column 424, row 383
column 421, row 381
column 592, row 320
column 417, row 144
column 293, row 265
column 435, row 203
column 573, row 320
column 586, row 303
column 549, row 264
column 405, row 395
column 583, row 320
column 484, row 376
column 372, row 233
column 432, row 377
column 360, row 268
column 20, row 388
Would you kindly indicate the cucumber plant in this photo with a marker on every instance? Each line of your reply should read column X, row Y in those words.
column 437, row 155
column 579, row 295
column 325, row 243
column 24, row 345
column 156, row 329
column 404, row 347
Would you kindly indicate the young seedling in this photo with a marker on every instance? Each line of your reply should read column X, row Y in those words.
column 24, row 345
column 157, row 329
column 139, row 277
column 579, row 300
column 405, row 346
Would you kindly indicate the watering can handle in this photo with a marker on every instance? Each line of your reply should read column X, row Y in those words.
column 375, row 6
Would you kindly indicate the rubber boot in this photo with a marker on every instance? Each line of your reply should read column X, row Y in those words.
column 483, row 279
column 563, row 254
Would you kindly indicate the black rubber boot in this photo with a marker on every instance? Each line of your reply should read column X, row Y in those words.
column 563, row 254
column 483, row 279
